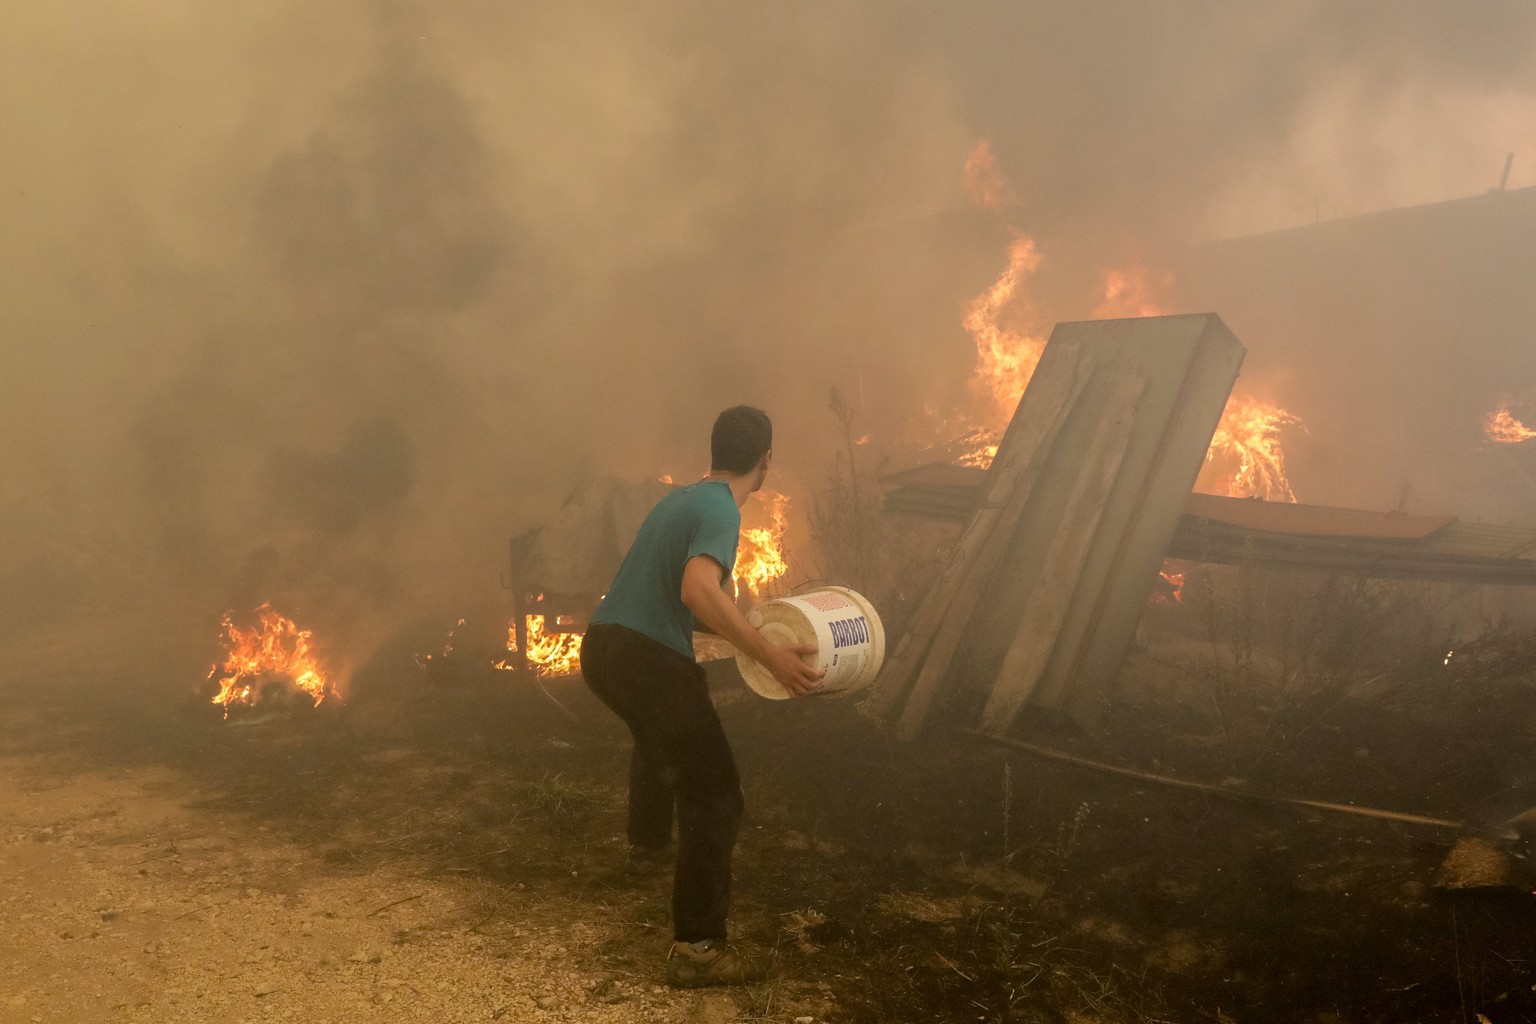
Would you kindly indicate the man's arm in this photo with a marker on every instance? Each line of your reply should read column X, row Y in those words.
column 702, row 594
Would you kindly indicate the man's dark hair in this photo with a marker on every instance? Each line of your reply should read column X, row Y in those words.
column 742, row 436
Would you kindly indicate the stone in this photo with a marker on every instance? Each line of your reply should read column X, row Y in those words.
column 716, row 1008
column 608, row 990
column 266, row 988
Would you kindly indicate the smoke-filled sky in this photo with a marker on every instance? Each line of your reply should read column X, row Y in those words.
column 340, row 295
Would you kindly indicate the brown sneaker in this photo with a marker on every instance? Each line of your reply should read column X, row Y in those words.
column 711, row 962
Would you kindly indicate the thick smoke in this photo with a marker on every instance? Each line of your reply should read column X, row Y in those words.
column 321, row 304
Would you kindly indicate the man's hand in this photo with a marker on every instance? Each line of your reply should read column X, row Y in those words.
column 702, row 594
column 793, row 671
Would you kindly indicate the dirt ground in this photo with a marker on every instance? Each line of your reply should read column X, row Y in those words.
column 445, row 845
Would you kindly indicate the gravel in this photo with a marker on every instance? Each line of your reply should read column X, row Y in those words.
column 124, row 902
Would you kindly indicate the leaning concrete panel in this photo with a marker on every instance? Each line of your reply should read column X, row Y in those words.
column 1050, row 591
column 1188, row 364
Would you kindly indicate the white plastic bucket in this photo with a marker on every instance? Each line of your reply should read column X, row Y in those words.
column 843, row 627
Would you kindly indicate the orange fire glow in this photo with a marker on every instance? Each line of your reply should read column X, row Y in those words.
column 1171, row 588
column 1245, row 450
column 273, row 653
column 1247, row 447
column 1132, row 291
column 980, row 450
column 551, row 654
column 1502, row 427
column 1005, row 359
column 984, row 183
column 760, row 553
column 759, row 563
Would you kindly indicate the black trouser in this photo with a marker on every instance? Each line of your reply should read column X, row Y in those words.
column 681, row 759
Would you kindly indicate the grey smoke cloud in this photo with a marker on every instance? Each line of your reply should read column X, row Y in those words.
column 330, row 300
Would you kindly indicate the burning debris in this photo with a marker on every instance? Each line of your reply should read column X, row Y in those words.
column 1246, row 448
column 1022, row 580
column 1248, row 441
column 760, row 554
column 1170, row 586
column 549, row 644
column 552, row 643
column 1501, row 427
column 265, row 662
column 1005, row 359
column 553, row 653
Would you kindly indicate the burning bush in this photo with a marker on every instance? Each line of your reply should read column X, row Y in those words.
column 267, row 662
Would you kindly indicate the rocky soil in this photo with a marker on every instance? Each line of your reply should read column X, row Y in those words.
column 125, row 901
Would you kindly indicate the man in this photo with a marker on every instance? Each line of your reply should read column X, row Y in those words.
column 638, row 658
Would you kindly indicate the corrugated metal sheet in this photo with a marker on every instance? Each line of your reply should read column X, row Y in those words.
column 935, row 491
column 1238, row 531
column 1457, row 553
column 938, row 474
column 1312, row 520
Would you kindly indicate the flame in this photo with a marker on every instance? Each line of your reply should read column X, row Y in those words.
column 760, row 553
column 509, row 663
column 982, row 455
column 1246, row 448
column 1172, row 591
column 759, row 562
column 274, row 651
column 1248, row 437
column 551, row 654
column 1132, row 291
column 1502, row 427
column 1005, row 359
column 976, row 447
column 984, row 183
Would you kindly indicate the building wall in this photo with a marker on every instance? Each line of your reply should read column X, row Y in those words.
column 1392, row 335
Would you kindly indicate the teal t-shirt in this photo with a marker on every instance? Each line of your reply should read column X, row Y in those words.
column 646, row 595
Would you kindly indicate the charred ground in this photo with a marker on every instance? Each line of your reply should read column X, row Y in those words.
column 947, row 880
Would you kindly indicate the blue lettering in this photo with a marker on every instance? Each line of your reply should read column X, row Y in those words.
column 848, row 632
